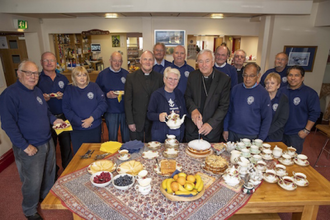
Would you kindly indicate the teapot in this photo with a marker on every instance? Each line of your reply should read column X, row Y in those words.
column 174, row 121
column 234, row 156
column 277, row 152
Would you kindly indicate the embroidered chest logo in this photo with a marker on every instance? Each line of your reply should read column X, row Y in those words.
column 61, row 84
column 39, row 100
column 275, row 107
column 186, row 74
column 250, row 100
column 171, row 103
column 284, row 79
column 123, row 80
column 296, row 101
column 90, row 95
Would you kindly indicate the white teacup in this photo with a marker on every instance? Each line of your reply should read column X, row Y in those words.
column 280, row 169
column 261, row 165
column 286, row 157
column 246, row 141
column 170, row 136
column 144, row 190
column 291, row 151
column 287, row 181
column 270, row 175
column 254, row 148
column 255, row 158
column 302, row 158
column 258, row 142
column 144, row 182
column 123, row 154
column 266, row 146
column 143, row 174
column 240, row 145
column 300, row 177
column 245, row 152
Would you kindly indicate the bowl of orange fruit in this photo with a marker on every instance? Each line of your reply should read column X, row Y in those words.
column 183, row 187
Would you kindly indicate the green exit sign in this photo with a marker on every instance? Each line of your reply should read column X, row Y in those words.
column 22, row 24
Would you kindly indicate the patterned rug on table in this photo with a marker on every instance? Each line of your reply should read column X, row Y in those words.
column 90, row 202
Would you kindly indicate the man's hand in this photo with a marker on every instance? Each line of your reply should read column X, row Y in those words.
column 205, row 129
column 225, row 135
column 59, row 95
column 46, row 97
column 132, row 127
column 58, row 121
column 87, row 122
column 31, row 150
column 302, row 134
column 197, row 118
column 111, row 95
column 162, row 116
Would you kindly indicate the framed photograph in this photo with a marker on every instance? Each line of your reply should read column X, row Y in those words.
column 170, row 38
column 115, row 40
column 303, row 56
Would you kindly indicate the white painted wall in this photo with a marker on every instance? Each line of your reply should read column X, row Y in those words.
column 250, row 45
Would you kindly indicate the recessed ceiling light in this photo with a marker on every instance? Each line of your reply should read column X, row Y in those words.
column 111, row 15
column 217, row 16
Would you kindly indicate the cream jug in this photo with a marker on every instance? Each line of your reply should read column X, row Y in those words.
column 235, row 154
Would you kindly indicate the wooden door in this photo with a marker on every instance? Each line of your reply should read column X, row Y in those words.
column 13, row 56
column 217, row 42
column 237, row 44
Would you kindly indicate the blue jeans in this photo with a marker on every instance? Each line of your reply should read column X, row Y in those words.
column 237, row 137
column 295, row 141
column 113, row 121
column 78, row 137
column 37, row 174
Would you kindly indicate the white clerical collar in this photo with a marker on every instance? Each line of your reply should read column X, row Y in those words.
column 162, row 63
column 113, row 70
column 223, row 65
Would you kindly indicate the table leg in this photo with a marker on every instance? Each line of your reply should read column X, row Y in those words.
column 309, row 213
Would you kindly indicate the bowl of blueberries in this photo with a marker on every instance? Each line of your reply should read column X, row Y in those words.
column 101, row 179
column 123, row 181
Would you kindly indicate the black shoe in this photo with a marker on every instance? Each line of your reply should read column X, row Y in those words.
column 36, row 216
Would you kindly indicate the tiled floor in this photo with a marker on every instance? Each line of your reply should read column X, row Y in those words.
column 11, row 197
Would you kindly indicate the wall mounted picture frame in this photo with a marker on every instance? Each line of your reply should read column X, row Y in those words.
column 170, row 38
column 115, row 40
column 303, row 56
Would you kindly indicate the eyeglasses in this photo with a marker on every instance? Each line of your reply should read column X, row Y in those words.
column 171, row 79
column 48, row 61
column 29, row 73
column 248, row 76
column 238, row 56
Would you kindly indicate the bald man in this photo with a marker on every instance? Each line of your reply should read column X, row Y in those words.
column 138, row 89
column 111, row 80
column 26, row 120
column 179, row 62
column 281, row 61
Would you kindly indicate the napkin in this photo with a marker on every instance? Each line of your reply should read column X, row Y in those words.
column 119, row 97
column 110, row 146
column 132, row 146
column 59, row 131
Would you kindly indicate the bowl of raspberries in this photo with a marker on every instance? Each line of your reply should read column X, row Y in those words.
column 101, row 179
column 123, row 181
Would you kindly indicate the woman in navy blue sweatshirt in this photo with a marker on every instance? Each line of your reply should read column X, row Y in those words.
column 162, row 102
column 83, row 105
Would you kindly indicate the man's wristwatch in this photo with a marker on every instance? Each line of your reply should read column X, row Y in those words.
column 306, row 131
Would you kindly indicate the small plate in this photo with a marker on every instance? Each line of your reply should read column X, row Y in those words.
column 157, row 170
column 53, row 95
column 284, row 162
column 61, row 126
column 270, row 181
column 306, row 183
column 118, row 92
column 123, row 159
column 154, row 145
column 91, row 172
column 150, row 154
column 120, row 171
column 281, row 184
column 301, row 164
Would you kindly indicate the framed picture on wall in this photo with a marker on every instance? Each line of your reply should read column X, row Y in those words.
column 170, row 38
column 303, row 56
column 115, row 40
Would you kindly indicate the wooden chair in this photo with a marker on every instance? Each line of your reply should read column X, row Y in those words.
column 325, row 130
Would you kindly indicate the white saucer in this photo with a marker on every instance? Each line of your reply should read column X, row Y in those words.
column 267, row 158
column 284, row 162
column 281, row 184
column 301, row 164
column 299, row 183
column 150, row 154
column 123, row 159
column 293, row 155
column 257, row 152
column 262, row 170
column 248, row 156
column 270, row 181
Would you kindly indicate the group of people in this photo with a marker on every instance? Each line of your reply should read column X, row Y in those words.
column 222, row 102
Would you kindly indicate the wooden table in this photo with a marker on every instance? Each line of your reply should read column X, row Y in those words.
column 303, row 202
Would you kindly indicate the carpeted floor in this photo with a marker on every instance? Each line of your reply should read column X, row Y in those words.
column 11, row 197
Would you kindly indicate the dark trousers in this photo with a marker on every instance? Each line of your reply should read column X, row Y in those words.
column 237, row 137
column 295, row 141
column 64, row 143
column 144, row 135
column 113, row 121
column 78, row 137
column 37, row 174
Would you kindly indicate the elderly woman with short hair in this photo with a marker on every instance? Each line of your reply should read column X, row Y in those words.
column 162, row 102
column 83, row 105
column 280, row 107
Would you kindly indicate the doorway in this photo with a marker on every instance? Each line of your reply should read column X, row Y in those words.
column 13, row 52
